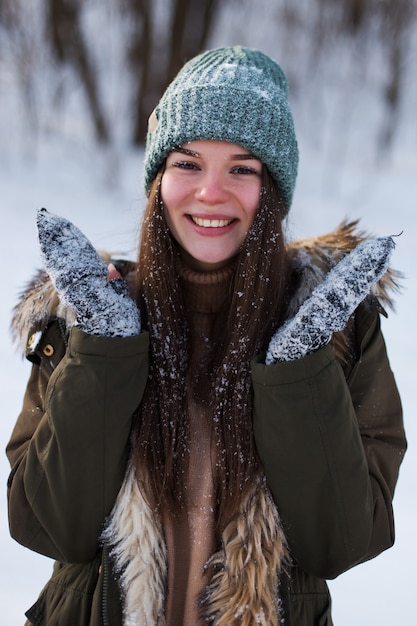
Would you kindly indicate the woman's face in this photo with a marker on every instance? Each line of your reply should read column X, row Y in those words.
column 211, row 192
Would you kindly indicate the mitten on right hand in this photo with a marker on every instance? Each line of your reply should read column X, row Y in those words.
column 331, row 304
column 102, row 307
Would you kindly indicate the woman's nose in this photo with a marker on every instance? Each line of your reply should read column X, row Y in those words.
column 212, row 189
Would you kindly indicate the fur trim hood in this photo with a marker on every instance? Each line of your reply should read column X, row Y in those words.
column 311, row 260
column 314, row 257
column 39, row 303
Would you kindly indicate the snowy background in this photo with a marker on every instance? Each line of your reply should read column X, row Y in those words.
column 100, row 190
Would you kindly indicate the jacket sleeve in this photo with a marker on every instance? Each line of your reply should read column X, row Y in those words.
column 331, row 449
column 70, row 445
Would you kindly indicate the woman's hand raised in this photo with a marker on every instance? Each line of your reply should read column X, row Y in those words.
column 331, row 304
column 97, row 293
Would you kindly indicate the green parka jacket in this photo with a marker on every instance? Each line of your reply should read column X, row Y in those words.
column 331, row 440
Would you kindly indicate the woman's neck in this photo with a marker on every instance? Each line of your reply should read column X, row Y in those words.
column 205, row 292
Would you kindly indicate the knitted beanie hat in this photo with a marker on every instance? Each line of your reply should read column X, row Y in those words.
column 232, row 94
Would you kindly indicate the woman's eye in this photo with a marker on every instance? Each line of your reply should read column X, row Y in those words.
column 244, row 169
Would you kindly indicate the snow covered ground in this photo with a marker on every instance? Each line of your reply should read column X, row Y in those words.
column 102, row 194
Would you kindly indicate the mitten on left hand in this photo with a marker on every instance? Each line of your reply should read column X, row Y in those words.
column 102, row 307
column 331, row 304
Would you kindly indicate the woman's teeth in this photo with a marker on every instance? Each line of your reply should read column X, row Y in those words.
column 206, row 223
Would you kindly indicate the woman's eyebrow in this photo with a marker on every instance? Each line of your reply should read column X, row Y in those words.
column 187, row 152
column 243, row 157
column 233, row 157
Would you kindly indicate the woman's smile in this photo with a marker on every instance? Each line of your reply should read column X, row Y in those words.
column 211, row 192
column 211, row 222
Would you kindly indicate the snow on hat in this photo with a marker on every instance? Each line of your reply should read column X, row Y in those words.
column 232, row 94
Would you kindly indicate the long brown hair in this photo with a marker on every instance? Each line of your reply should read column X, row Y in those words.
column 256, row 305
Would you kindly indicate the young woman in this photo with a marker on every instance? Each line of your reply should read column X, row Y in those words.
column 210, row 444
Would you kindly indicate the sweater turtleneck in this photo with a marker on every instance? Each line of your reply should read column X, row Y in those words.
column 205, row 292
column 190, row 536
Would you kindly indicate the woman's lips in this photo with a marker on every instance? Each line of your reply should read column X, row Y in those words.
column 210, row 223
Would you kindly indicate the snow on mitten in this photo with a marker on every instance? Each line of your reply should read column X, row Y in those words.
column 102, row 307
column 331, row 304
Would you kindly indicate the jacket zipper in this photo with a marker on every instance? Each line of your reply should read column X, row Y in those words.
column 64, row 331
column 105, row 595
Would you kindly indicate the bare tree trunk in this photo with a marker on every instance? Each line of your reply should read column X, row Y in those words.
column 190, row 27
column 399, row 20
column 156, row 50
column 68, row 46
column 141, row 60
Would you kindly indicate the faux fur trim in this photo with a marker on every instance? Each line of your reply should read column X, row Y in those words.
column 139, row 555
column 244, row 573
column 243, row 590
column 38, row 304
column 311, row 260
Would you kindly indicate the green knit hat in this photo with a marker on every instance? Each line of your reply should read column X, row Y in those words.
column 232, row 94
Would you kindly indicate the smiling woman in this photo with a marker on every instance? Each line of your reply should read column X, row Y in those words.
column 236, row 425
column 211, row 192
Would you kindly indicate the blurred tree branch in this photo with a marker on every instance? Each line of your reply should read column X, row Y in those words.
column 189, row 28
column 156, row 37
column 63, row 27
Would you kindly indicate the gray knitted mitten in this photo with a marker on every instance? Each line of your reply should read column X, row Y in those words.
column 102, row 307
column 331, row 304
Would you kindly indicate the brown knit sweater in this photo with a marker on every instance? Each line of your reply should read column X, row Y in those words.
column 190, row 537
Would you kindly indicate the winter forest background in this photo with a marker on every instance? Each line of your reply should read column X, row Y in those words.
column 78, row 81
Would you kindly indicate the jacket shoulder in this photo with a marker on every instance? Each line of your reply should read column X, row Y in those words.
column 39, row 304
column 312, row 258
